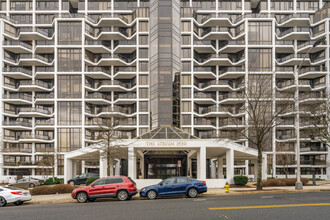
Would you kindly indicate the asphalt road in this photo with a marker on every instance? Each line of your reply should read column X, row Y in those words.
column 292, row 206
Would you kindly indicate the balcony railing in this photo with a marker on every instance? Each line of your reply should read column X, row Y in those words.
column 17, row 43
column 202, row 95
column 23, row 96
column 17, row 123
column 98, row 96
column 203, row 121
column 17, row 69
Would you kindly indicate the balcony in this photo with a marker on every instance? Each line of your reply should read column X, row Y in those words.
column 231, row 72
column 44, row 72
column 43, row 124
column 17, row 72
column 231, row 46
column 98, row 72
column 291, row 20
column 44, row 46
column 203, row 123
column 232, row 135
column 218, row 85
column 221, row 59
column 231, row 123
column 116, row 111
column 231, row 98
column 35, row 112
column 17, row 150
column 108, row 60
column 108, row 85
column 209, row 111
column 285, row 85
column 284, row 46
column 293, row 59
column 203, row 46
column 108, row 33
column 17, row 125
column 98, row 98
column 29, row 86
column 312, row 97
column 29, row 60
column 204, row 98
column 128, row 98
column 17, row 98
column 312, row 72
column 98, row 46
column 307, row 46
column 17, row 46
column 294, row 33
column 204, row 72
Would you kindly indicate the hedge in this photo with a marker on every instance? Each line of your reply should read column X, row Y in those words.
column 241, row 180
column 53, row 189
column 90, row 180
column 50, row 181
column 284, row 182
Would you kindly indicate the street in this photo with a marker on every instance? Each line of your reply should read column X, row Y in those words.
column 291, row 206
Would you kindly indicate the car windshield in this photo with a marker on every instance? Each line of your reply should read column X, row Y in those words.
column 83, row 175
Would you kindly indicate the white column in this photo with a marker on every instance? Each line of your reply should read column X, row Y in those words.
column 230, row 165
column 220, row 168
column 213, row 169
column 1, row 166
column 328, row 164
column 131, row 163
column 74, row 168
column 103, row 166
column 201, row 173
column 117, row 168
column 67, row 169
column 111, row 166
column 264, row 167
column 142, row 166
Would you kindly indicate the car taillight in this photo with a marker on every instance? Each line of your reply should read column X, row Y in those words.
column 16, row 193
column 204, row 183
column 38, row 181
column 131, row 185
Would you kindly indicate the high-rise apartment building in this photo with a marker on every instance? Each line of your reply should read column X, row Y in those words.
column 66, row 65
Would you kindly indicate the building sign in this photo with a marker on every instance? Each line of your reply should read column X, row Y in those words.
column 166, row 143
column 179, row 163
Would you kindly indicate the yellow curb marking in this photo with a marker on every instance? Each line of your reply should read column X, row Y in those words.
column 270, row 206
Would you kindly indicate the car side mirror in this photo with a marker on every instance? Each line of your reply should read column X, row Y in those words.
column 92, row 185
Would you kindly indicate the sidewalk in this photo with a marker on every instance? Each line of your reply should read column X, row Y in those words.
column 250, row 189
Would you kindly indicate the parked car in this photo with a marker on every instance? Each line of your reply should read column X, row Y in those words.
column 28, row 182
column 120, row 187
column 175, row 186
column 10, row 194
column 81, row 179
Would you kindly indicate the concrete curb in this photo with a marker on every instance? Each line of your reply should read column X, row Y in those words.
column 233, row 193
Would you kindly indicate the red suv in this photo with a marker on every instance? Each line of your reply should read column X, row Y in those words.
column 120, row 187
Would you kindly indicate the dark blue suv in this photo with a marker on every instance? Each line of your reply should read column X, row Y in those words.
column 175, row 186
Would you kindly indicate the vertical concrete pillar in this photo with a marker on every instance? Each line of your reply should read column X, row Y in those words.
column 142, row 166
column 213, row 168
column 2, row 172
column 230, row 165
column 117, row 167
column 131, row 163
column 201, row 173
column 103, row 166
column 264, row 167
column 328, row 165
column 111, row 163
column 67, row 169
column 220, row 168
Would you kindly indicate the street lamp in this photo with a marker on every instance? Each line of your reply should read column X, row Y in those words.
column 299, row 184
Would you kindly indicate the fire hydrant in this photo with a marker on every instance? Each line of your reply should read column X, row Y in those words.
column 227, row 187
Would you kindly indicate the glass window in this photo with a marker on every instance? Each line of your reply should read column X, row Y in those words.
column 260, row 33
column 143, row 40
column 70, row 33
column 143, row 26
column 185, row 26
column 114, row 180
column 182, row 180
column 168, row 181
column 69, row 113
column 143, row 80
column 260, row 60
column 186, row 80
column 100, row 182
column 143, row 120
column 143, row 93
column 69, row 60
column 69, row 86
column 185, row 40
column 69, row 139
column 143, row 53
column 186, row 106
column 143, row 106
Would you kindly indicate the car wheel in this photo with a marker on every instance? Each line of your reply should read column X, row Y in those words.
column 91, row 200
column 72, row 183
column 18, row 203
column 122, row 195
column 192, row 193
column 82, row 197
column 3, row 202
column 152, row 194
column 32, row 185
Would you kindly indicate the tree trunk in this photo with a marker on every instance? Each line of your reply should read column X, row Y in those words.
column 108, row 165
column 259, row 177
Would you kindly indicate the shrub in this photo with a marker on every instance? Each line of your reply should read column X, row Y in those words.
column 241, row 180
column 50, row 181
column 90, row 180
column 54, row 189
column 284, row 182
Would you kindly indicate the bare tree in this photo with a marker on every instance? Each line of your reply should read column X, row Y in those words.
column 109, row 138
column 47, row 163
column 285, row 160
column 262, row 116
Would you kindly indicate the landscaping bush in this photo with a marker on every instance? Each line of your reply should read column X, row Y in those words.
column 241, row 180
column 284, row 182
column 90, row 180
column 54, row 189
column 50, row 181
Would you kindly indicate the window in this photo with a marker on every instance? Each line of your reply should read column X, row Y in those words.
column 185, row 40
column 69, row 60
column 143, row 66
column 186, row 53
column 70, row 33
column 168, row 181
column 260, row 33
column 100, row 182
column 143, row 106
column 185, row 26
column 143, row 119
column 143, row 80
column 186, row 80
column 143, row 26
column 69, row 139
column 186, row 66
column 143, row 53
column 69, row 86
column 186, row 119
column 186, row 93
column 143, row 93
column 260, row 60
column 186, row 106
column 143, row 40
column 69, row 113
column 182, row 180
column 113, row 180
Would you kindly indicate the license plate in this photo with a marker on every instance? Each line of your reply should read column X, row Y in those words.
column 25, row 194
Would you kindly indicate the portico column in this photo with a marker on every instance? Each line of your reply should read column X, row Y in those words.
column 142, row 166
column 230, row 165
column 213, row 169
column 117, row 168
column 131, row 163
column 1, row 166
column 328, row 167
column 264, row 167
column 220, row 168
column 103, row 166
column 201, row 171
column 67, row 169
column 111, row 166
